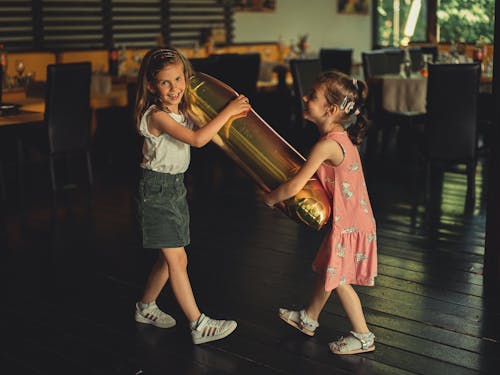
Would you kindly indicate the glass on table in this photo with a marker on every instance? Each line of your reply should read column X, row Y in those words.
column 20, row 67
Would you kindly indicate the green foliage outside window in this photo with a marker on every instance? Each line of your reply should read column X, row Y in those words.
column 458, row 21
column 388, row 35
column 466, row 21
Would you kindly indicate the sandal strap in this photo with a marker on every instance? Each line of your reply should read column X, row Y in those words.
column 307, row 322
column 366, row 339
column 354, row 341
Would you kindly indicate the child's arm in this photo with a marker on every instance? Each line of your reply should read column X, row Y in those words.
column 323, row 150
column 163, row 123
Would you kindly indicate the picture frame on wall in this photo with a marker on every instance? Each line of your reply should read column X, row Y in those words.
column 254, row 5
column 353, row 6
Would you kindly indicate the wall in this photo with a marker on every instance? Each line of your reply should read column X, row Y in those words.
column 318, row 18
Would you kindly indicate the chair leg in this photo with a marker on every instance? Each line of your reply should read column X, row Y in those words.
column 3, row 190
column 20, row 172
column 416, row 188
column 427, row 182
column 52, row 172
column 470, row 198
column 89, row 168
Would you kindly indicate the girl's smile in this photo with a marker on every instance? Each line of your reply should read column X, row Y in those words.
column 170, row 86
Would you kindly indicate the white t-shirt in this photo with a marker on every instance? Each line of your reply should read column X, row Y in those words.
column 164, row 153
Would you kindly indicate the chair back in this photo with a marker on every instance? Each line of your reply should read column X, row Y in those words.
column 238, row 70
column 336, row 59
column 374, row 63
column 67, row 106
column 430, row 50
column 304, row 72
column 203, row 64
column 452, row 102
column 416, row 55
column 393, row 60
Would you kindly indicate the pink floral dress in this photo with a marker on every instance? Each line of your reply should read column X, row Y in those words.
column 348, row 254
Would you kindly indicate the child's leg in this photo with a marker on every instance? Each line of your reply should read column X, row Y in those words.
column 147, row 311
column 203, row 328
column 176, row 259
column 360, row 340
column 156, row 280
column 318, row 298
column 306, row 320
column 352, row 306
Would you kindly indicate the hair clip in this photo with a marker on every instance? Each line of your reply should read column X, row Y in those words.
column 343, row 104
column 164, row 53
column 349, row 107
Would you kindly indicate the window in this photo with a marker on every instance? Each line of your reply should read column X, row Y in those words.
column 465, row 21
column 52, row 25
column 397, row 22
column 400, row 21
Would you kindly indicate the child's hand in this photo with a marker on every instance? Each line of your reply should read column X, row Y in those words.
column 239, row 105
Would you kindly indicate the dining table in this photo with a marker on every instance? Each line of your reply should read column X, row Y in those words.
column 31, row 108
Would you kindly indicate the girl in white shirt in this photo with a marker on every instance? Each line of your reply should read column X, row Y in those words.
column 162, row 106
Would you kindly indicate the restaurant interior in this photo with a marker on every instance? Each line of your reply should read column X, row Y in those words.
column 73, row 266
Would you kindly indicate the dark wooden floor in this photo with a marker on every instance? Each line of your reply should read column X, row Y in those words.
column 70, row 281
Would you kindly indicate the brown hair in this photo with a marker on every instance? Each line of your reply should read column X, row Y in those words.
column 153, row 62
column 349, row 94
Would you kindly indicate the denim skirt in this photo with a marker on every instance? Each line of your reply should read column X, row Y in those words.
column 162, row 210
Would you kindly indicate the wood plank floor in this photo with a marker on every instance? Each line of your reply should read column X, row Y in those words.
column 70, row 281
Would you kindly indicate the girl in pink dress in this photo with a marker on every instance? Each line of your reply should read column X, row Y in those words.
column 348, row 254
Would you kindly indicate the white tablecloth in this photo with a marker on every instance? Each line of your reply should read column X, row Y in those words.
column 401, row 94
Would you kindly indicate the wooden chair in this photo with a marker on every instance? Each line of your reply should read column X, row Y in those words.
column 336, row 59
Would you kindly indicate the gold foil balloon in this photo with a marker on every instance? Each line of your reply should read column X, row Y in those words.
column 258, row 150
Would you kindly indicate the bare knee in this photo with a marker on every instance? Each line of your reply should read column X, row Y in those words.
column 343, row 290
column 175, row 258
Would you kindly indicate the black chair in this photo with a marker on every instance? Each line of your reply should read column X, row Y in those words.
column 68, row 114
column 3, row 194
column 416, row 55
column 374, row 63
column 238, row 70
column 203, row 64
column 393, row 60
column 450, row 133
column 336, row 59
column 430, row 50
column 378, row 63
column 304, row 72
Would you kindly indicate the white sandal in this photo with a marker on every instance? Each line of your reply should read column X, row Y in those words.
column 354, row 343
column 299, row 320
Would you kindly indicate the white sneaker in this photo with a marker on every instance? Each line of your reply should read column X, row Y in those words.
column 153, row 315
column 210, row 329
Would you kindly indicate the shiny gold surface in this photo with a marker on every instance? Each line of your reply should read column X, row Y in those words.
column 259, row 150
